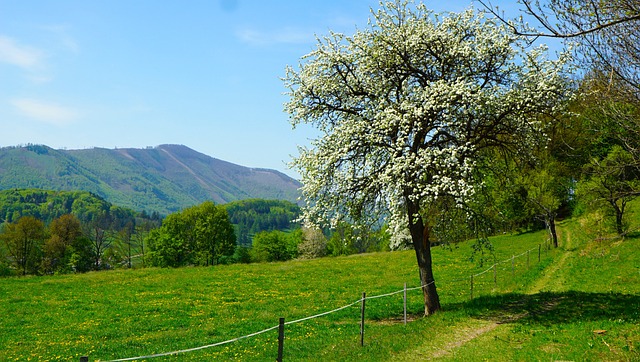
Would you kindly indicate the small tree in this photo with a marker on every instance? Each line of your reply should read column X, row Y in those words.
column 24, row 240
column 140, row 235
column 81, row 259
column 124, row 245
column 99, row 232
column 63, row 234
column 275, row 246
column 545, row 189
column 405, row 109
column 313, row 245
column 214, row 233
column 612, row 183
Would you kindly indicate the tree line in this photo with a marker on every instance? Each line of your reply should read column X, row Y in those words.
column 55, row 232
column 47, row 232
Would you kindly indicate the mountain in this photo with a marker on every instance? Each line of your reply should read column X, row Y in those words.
column 165, row 179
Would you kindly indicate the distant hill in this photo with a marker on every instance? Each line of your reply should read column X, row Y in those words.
column 165, row 179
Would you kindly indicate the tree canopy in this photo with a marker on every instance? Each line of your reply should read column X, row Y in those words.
column 198, row 235
column 406, row 108
column 24, row 241
column 606, row 33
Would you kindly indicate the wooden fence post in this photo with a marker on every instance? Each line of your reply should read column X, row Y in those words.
column 364, row 299
column 513, row 267
column 405, row 303
column 280, row 340
column 495, row 275
column 528, row 252
column 471, row 293
column 539, row 247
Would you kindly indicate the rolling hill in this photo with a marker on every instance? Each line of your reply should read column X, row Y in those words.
column 165, row 178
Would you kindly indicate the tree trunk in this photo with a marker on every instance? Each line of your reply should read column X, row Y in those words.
column 619, row 210
column 422, row 246
column 552, row 230
column 619, row 227
column 25, row 253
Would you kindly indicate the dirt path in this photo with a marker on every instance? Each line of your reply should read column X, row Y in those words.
column 464, row 339
column 445, row 343
column 550, row 276
column 464, row 335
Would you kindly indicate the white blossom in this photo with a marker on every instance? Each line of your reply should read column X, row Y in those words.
column 405, row 106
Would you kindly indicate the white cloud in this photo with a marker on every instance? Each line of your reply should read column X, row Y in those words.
column 61, row 35
column 50, row 113
column 22, row 56
column 281, row 36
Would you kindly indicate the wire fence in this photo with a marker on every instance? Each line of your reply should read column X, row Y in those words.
column 360, row 301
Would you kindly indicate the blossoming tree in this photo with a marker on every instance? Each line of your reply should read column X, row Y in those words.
column 405, row 108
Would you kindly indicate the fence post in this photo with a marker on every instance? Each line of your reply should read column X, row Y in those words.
column 84, row 359
column 364, row 299
column 405, row 303
column 528, row 252
column 539, row 247
column 495, row 275
column 280, row 340
column 471, row 293
column 513, row 267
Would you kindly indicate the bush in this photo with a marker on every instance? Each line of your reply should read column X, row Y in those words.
column 313, row 245
column 275, row 246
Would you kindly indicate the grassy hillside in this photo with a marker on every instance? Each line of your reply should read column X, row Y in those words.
column 580, row 302
column 585, row 306
column 165, row 179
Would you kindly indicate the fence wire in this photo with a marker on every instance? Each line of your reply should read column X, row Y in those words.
column 313, row 316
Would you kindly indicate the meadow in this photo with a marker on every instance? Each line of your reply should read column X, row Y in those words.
column 578, row 302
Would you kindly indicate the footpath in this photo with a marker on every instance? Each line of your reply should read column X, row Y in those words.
column 445, row 343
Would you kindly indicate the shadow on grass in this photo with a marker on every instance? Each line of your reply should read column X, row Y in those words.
column 549, row 308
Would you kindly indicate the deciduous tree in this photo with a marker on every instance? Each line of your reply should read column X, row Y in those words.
column 63, row 234
column 24, row 240
column 197, row 235
column 607, row 33
column 100, row 234
column 275, row 245
column 313, row 245
column 405, row 107
column 612, row 183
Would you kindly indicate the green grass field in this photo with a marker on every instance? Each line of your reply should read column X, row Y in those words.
column 580, row 302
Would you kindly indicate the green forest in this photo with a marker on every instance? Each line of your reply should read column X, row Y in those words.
column 48, row 232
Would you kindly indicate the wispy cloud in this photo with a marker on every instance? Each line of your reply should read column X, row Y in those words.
column 23, row 56
column 61, row 35
column 46, row 112
column 280, row 36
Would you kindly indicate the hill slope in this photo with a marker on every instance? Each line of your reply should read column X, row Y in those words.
column 164, row 179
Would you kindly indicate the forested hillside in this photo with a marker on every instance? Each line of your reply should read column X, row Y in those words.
column 165, row 179
column 47, row 205
column 253, row 216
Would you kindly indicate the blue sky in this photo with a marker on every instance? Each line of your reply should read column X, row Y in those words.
column 135, row 73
